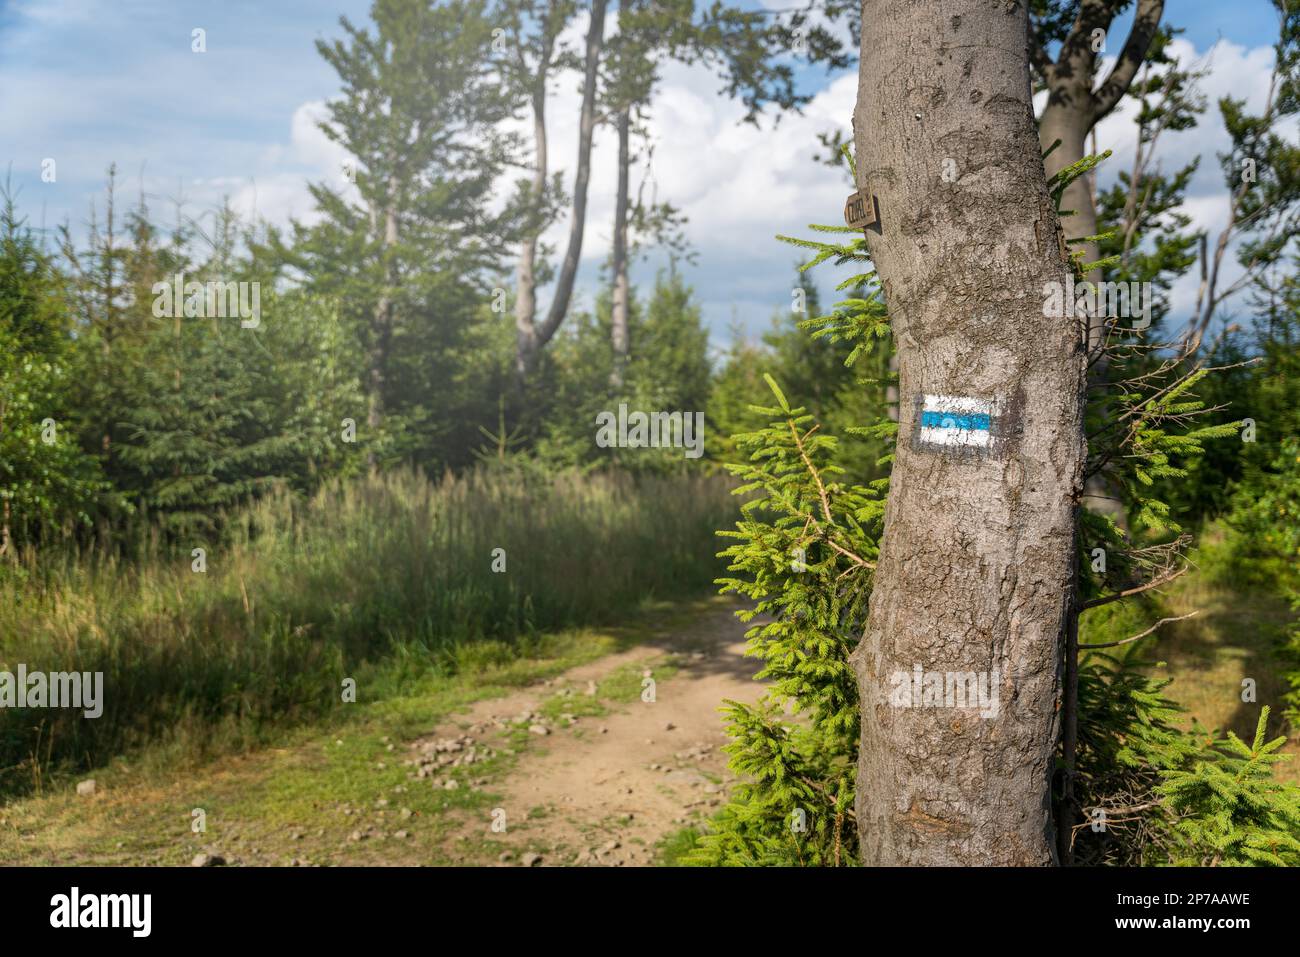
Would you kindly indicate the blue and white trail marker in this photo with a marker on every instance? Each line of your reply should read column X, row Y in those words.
column 956, row 421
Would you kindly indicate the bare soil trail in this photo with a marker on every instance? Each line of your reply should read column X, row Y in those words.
column 590, row 765
column 604, row 788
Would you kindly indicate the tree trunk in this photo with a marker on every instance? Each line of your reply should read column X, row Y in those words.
column 1076, row 103
column 1069, row 119
column 975, row 571
column 4, row 529
column 586, row 129
column 1073, row 110
column 1070, row 124
column 526, row 278
column 619, row 308
column 381, row 332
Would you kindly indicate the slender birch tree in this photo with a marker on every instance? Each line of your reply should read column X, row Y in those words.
column 532, row 336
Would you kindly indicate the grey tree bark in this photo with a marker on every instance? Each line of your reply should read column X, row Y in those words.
column 619, row 306
column 1075, row 105
column 381, row 322
column 976, row 566
column 586, row 130
column 537, row 53
column 526, row 274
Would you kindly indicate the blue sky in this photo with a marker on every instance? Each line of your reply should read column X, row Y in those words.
column 88, row 82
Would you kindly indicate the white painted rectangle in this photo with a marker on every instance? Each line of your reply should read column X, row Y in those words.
column 955, row 420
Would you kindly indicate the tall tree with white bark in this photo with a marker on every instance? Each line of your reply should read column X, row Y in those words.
column 976, row 572
column 536, row 55
column 619, row 77
column 532, row 336
column 745, row 47
column 631, row 78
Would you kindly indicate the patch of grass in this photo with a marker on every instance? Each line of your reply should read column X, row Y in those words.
column 304, row 797
column 578, row 705
column 1227, row 662
column 672, row 850
column 627, row 683
column 386, row 580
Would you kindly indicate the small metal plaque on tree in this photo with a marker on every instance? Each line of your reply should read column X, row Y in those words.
column 860, row 211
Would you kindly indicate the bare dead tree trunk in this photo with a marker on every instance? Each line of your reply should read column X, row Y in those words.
column 109, row 324
column 976, row 566
column 586, row 130
column 1208, row 297
column 619, row 307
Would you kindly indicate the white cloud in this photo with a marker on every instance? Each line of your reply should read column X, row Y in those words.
column 280, row 192
column 740, row 186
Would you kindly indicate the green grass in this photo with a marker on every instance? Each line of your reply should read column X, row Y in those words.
column 1238, row 633
column 304, row 794
column 386, row 580
column 673, row 850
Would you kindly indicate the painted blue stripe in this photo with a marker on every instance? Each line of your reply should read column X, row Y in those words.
column 975, row 422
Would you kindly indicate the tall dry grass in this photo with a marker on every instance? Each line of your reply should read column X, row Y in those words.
column 371, row 576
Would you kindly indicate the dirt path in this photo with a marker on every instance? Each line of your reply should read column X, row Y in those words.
column 592, row 766
column 603, row 788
